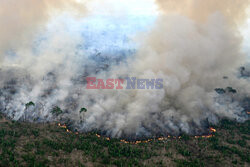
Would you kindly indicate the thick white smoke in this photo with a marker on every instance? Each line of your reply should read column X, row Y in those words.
column 21, row 20
column 194, row 47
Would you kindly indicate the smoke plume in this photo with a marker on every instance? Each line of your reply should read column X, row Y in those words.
column 194, row 46
column 21, row 20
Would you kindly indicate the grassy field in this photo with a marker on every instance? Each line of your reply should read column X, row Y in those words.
column 37, row 145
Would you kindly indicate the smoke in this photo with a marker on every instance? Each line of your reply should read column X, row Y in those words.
column 21, row 20
column 194, row 46
column 198, row 10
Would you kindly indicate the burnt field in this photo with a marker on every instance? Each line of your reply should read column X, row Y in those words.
column 29, row 144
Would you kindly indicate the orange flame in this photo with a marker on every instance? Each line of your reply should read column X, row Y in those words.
column 62, row 126
column 212, row 130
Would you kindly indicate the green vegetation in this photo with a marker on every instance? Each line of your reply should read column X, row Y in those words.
column 228, row 89
column 83, row 110
column 29, row 104
column 231, row 90
column 27, row 144
column 56, row 111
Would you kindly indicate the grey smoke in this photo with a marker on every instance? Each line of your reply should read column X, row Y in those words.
column 192, row 54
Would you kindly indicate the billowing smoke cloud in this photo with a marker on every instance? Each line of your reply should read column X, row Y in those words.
column 21, row 20
column 194, row 47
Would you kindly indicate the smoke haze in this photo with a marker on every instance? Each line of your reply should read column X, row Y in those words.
column 194, row 45
column 21, row 20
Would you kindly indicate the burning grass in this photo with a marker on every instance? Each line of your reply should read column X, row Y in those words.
column 210, row 134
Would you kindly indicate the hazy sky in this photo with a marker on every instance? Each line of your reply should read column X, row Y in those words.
column 146, row 8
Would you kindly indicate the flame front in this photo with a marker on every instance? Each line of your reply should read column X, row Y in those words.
column 211, row 130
